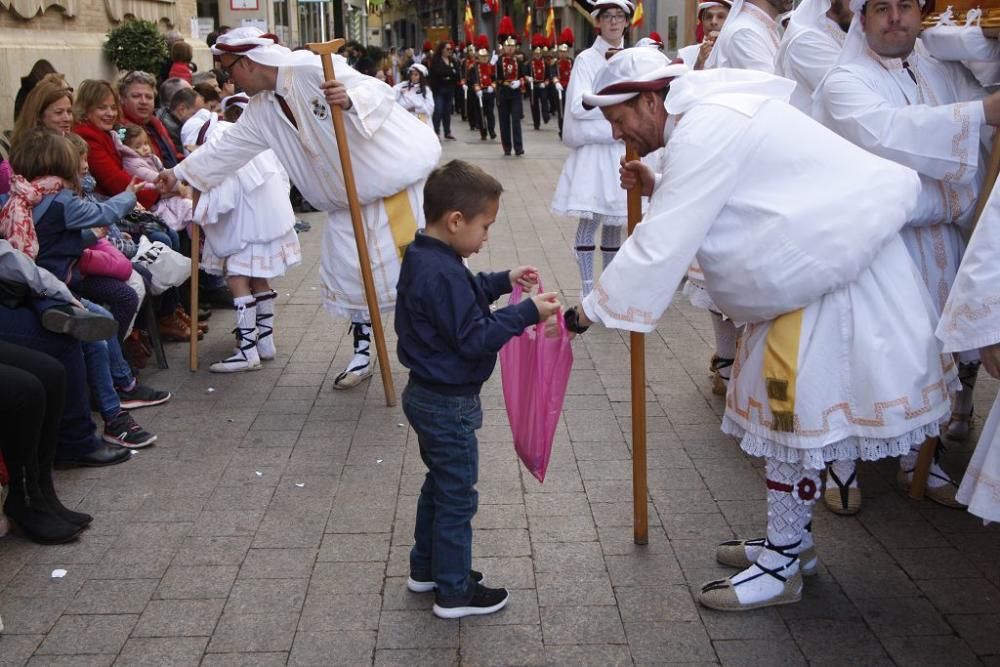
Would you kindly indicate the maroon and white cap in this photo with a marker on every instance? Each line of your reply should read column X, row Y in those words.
column 259, row 46
column 630, row 72
column 239, row 100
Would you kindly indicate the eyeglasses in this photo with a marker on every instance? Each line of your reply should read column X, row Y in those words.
column 228, row 69
column 617, row 17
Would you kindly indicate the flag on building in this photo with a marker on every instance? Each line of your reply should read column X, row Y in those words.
column 470, row 24
column 638, row 16
column 550, row 25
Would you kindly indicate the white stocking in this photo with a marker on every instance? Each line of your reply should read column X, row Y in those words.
column 611, row 239
column 791, row 492
column 585, row 233
column 908, row 462
column 725, row 340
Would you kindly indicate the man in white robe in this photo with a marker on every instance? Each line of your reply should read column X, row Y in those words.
column 289, row 113
column 823, row 283
column 712, row 16
column 971, row 321
column 750, row 37
column 810, row 46
column 897, row 102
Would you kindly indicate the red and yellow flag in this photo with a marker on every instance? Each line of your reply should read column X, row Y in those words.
column 470, row 24
column 550, row 26
column 527, row 25
column 638, row 16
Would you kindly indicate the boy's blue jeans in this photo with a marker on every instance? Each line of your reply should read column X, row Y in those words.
column 446, row 430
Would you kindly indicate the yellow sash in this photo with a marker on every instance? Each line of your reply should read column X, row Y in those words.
column 402, row 222
column 781, row 359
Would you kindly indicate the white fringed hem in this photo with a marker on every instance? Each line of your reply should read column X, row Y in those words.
column 610, row 220
column 698, row 296
column 848, row 449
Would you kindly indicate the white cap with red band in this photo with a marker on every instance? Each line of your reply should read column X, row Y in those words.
column 629, row 73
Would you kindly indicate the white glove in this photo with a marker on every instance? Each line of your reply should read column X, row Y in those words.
column 541, row 85
column 494, row 58
column 479, row 94
column 465, row 89
column 489, row 89
column 559, row 87
column 515, row 84
column 530, row 79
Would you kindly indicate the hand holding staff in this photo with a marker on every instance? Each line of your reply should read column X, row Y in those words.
column 326, row 50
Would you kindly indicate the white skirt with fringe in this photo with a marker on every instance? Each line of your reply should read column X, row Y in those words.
column 855, row 375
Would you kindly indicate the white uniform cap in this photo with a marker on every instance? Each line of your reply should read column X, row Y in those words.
column 198, row 127
column 600, row 5
column 420, row 68
column 629, row 73
column 239, row 100
column 259, row 47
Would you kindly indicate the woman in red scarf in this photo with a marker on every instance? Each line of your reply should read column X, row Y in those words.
column 97, row 113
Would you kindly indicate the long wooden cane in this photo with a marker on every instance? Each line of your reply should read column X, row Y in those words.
column 195, row 262
column 638, row 352
column 325, row 50
column 992, row 171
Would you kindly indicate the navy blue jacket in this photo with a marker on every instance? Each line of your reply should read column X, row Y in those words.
column 448, row 337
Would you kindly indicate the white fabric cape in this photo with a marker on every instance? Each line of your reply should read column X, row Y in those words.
column 971, row 320
column 748, row 40
column 809, row 49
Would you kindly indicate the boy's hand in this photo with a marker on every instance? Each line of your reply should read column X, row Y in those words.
column 547, row 305
column 525, row 276
column 99, row 232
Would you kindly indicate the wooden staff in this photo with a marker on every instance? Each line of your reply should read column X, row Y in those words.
column 992, row 171
column 325, row 50
column 638, row 351
column 195, row 253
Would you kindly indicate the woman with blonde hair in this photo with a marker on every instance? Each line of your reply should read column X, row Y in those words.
column 49, row 105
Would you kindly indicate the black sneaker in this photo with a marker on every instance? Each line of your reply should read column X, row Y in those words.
column 424, row 584
column 122, row 430
column 484, row 601
column 142, row 396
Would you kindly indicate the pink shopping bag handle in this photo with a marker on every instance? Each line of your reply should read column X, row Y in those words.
column 515, row 297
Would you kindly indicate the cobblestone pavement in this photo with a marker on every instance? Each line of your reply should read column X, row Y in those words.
column 270, row 524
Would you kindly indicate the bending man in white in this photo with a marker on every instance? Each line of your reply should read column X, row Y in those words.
column 823, row 282
column 289, row 113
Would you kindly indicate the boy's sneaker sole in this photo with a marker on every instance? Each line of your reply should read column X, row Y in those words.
column 471, row 610
column 137, row 403
column 418, row 586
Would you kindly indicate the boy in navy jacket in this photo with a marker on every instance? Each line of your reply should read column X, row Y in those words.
column 449, row 339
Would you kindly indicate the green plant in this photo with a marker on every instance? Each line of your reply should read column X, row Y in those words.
column 136, row 45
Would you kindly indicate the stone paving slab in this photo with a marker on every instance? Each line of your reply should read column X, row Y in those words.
column 271, row 523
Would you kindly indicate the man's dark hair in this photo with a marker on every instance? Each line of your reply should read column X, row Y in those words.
column 459, row 186
column 186, row 96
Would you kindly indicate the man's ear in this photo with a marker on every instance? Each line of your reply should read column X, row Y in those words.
column 454, row 219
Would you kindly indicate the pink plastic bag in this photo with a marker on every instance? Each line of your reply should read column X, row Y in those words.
column 535, row 371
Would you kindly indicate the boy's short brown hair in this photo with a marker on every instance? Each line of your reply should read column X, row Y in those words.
column 44, row 153
column 459, row 186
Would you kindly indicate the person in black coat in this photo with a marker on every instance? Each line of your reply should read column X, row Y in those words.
column 443, row 77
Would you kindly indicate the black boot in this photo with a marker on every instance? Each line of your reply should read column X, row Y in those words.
column 46, row 459
column 31, row 514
